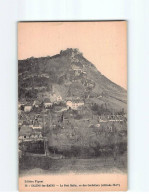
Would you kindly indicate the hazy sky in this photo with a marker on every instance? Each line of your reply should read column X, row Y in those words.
column 102, row 43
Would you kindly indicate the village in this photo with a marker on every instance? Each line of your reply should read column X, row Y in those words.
column 63, row 113
column 38, row 118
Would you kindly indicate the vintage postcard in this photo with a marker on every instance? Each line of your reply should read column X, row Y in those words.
column 72, row 106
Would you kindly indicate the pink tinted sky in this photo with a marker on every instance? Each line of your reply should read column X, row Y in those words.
column 102, row 43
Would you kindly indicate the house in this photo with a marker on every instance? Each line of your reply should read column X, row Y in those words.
column 35, row 124
column 36, row 135
column 36, row 127
column 26, row 134
column 28, row 108
column 74, row 104
column 47, row 103
column 69, row 104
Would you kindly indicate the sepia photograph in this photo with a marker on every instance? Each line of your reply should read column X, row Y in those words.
column 72, row 106
column 74, row 96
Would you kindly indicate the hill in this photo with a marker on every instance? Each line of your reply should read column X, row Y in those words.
column 79, row 110
column 70, row 75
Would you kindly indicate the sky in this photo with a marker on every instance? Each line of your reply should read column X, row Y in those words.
column 102, row 43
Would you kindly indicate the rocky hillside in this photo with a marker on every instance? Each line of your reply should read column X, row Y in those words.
column 69, row 75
